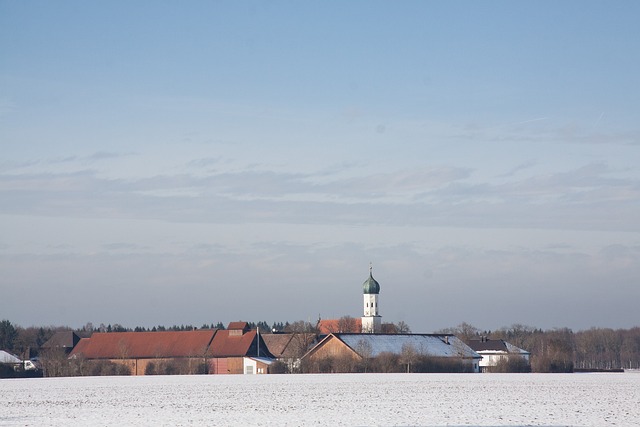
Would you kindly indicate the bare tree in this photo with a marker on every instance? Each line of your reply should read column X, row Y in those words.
column 347, row 324
column 408, row 356
column 304, row 334
column 464, row 331
column 364, row 349
column 403, row 328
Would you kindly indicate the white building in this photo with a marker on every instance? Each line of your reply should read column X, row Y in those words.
column 494, row 352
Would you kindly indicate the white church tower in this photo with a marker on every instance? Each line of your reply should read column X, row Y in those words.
column 371, row 321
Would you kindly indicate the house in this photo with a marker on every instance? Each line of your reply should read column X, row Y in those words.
column 360, row 347
column 229, row 347
column 494, row 352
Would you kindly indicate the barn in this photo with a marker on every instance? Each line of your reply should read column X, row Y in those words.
column 211, row 351
column 363, row 347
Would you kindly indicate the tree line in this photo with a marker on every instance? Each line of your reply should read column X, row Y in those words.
column 553, row 350
column 563, row 350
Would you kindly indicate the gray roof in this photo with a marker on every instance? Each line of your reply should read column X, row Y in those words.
column 62, row 339
column 6, row 357
column 495, row 346
column 513, row 349
column 426, row 344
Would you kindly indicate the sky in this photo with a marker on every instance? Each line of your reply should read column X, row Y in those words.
column 194, row 162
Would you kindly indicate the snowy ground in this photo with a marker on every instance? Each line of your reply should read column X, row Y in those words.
column 354, row 400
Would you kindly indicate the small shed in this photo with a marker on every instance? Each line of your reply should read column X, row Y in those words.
column 257, row 365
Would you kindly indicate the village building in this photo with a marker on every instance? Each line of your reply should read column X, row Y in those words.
column 231, row 346
column 200, row 351
column 495, row 352
column 62, row 340
column 360, row 347
column 143, row 352
column 256, row 365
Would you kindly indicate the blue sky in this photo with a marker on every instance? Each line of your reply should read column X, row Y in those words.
column 169, row 163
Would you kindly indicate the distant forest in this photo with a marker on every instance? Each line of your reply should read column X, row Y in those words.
column 555, row 350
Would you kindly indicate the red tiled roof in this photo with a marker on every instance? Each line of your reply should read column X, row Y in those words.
column 225, row 344
column 238, row 325
column 81, row 346
column 115, row 345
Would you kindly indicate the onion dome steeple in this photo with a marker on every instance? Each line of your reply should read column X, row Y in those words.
column 371, row 285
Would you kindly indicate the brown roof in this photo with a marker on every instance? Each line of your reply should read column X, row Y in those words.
column 494, row 345
column 484, row 345
column 62, row 339
column 225, row 344
column 238, row 325
column 278, row 344
column 115, row 345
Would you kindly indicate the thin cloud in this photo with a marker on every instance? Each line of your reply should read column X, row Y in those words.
column 584, row 198
column 523, row 166
column 104, row 155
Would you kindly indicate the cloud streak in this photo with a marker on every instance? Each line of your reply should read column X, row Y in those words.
column 578, row 198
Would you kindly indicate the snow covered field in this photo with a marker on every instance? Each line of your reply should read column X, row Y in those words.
column 359, row 399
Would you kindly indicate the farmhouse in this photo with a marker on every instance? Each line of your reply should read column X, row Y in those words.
column 495, row 352
column 229, row 347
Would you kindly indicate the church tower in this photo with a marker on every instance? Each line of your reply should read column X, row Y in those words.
column 371, row 321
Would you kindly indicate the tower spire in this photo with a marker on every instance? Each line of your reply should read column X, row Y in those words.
column 371, row 319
